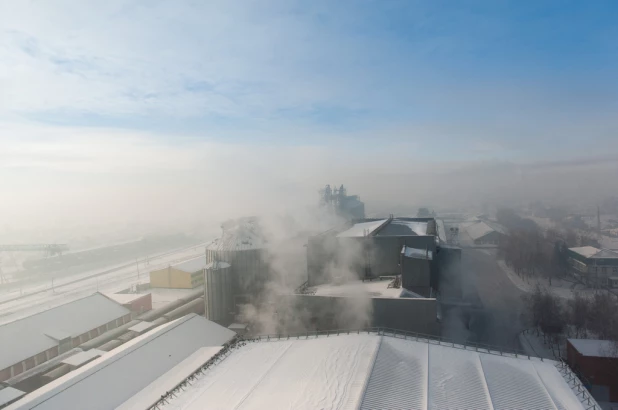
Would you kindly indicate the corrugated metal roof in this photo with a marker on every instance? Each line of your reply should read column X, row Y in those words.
column 192, row 265
column 482, row 228
column 369, row 371
column 118, row 375
column 34, row 334
column 8, row 394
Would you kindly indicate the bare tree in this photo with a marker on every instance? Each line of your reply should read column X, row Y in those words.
column 578, row 313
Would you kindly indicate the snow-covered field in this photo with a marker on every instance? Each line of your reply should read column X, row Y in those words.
column 46, row 294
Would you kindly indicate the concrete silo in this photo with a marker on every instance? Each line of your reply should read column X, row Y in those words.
column 218, row 296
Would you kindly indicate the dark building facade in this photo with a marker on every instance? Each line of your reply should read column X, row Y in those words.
column 597, row 362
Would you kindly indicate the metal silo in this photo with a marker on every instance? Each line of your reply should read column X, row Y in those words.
column 243, row 246
column 218, row 296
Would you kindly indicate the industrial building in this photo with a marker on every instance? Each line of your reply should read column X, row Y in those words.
column 339, row 202
column 28, row 342
column 132, row 373
column 185, row 275
column 481, row 232
column 381, row 302
column 373, row 247
column 593, row 266
column 597, row 362
column 370, row 370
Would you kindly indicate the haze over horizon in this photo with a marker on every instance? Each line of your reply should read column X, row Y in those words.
column 121, row 113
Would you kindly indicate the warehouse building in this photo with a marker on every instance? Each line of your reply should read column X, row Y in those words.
column 372, row 248
column 593, row 266
column 28, row 342
column 482, row 232
column 137, row 303
column 597, row 361
column 376, row 370
column 185, row 275
column 145, row 367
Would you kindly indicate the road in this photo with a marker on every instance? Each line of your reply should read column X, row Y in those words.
column 495, row 303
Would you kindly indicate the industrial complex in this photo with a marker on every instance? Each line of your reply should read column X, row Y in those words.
column 359, row 325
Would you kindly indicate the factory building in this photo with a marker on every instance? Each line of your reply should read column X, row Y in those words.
column 185, row 275
column 373, row 247
column 594, row 266
column 28, row 342
column 375, row 370
column 339, row 202
column 136, row 374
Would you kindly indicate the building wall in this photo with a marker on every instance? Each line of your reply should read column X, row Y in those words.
column 52, row 352
column 416, row 275
column 600, row 371
column 381, row 252
column 140, row 305
column 175, row 278
column 326, row 312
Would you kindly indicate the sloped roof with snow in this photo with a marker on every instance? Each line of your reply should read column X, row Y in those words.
column 118, row 375
column 416, row 253
column 595, row 348
column 34, row 334
column 595, row 253
column 482, row 228
column 370, row 371
column 361, row 229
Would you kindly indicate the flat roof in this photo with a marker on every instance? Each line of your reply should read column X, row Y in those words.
column 82, row 358
column 192, row 265
column 34, row 334
column 115, row 377
column 9, row 394
column 376, row 289
column 585, row 251
column 405, row 227
column 124, row 298
column 595, row 348
column 371, row 371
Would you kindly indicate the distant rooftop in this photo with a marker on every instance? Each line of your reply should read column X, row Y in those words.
column 396, row 227
column 478, row 229
column 595, row 348
column 592, row 252
column 371, row 371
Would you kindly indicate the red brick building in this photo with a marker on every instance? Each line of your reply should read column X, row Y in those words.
column 597, row 361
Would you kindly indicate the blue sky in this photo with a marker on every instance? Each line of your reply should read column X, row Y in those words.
column 145, row 101
column 486, row 79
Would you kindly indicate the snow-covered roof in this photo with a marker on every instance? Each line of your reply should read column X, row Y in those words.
column 9, row 394
column 34, row 334
column 192, row 265
column 82, row 358
column 595, row 253
column 479, row 229
column 403, row 226
column 369, row 371
column 585, row 251
column 239, row 235
column 595, row 348
column 375, row 288
column 118, row 375
column 416, row 253
column 361, row 229
column 123, row 298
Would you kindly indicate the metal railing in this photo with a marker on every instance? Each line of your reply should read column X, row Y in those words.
column 576, row 385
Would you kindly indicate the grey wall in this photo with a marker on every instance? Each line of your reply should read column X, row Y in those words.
column 326, row 312
column 416, row 275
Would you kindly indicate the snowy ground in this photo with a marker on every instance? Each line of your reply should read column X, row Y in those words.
column 559, row 287
column 45, row 294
